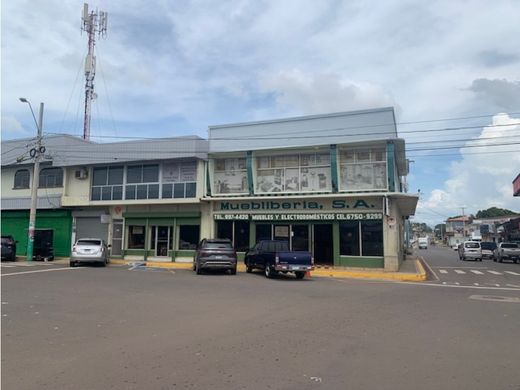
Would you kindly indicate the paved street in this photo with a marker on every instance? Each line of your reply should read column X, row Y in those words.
column 449, row 270
column 117, row 328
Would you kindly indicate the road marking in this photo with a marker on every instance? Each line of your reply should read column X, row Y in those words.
column 40, row 270
column 477, row 272
column 512, row 273
column 459, row 271
column 463, row 267
column 495, row 298
column 443, row 271
column 494, row 272
column 476, row 284
column 457, row 283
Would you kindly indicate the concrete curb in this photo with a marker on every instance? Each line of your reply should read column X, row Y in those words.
column 419, row 276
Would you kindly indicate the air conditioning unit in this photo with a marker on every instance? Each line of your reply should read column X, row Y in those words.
column 81, row 174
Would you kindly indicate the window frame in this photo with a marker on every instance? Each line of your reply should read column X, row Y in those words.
column 240, row 168
column 345, row 163
column 55, row 169
column 21, row 187
column 107, row 184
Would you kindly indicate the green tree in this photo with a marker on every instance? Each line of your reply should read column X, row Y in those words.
column 421, row 227
column 494, row 212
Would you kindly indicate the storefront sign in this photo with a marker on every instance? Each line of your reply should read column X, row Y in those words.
column 301, row 217
column 265, row 205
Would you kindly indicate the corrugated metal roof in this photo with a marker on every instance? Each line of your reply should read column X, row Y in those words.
column 67, row 150
column 44, row 202
column 314, row 130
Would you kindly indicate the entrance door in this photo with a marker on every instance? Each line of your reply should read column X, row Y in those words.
column 117, row 237
column 162, row 243
column 323, row 251
column 300, row 237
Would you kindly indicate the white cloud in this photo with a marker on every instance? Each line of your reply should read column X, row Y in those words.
column 480, row 181
column 11, row 126
column 315, row 93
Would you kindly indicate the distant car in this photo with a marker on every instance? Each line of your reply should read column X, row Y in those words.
column 215, row 254
column 89, row 250
column 423, row 242
column 507, row 251
column 8, row 248
column 470, row 250
column 488, row 249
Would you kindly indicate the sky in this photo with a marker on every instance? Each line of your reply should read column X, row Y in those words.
column 451, row 70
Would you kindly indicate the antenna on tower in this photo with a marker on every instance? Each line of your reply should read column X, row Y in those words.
column 93, row 23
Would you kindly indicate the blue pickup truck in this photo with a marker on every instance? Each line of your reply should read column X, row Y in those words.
column 274, row 256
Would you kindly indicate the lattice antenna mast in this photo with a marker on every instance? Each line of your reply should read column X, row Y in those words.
column 93, row 24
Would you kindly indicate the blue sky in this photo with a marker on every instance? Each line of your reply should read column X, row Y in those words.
column 175, row 67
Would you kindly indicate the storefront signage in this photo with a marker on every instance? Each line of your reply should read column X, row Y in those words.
column 265, row 205
column 301, row 217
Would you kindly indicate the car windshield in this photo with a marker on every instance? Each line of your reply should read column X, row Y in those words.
column 512, row 245
column 472, row 245
column 89, row 242
column 6, row 240
column 218, row 245
column 488, row 245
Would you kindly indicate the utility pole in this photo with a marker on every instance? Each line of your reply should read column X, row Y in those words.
column 36, row 154
column 92, row 23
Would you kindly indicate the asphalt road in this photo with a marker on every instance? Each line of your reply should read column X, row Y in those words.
column 115, row 328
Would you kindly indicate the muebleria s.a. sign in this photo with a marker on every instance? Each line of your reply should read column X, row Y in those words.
column 362, row 216
column 303, row 205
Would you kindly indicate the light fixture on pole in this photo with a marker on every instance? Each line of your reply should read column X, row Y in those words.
column 35, row 179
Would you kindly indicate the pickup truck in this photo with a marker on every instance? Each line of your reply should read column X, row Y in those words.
column 274, row 256
column 507, row 251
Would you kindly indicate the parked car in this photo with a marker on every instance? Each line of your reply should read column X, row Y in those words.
column 215, row 254
column 507, row 251
column 488, row 249
column 274, row 256
column 470, row 250
column 8, row 248
column 89, row 250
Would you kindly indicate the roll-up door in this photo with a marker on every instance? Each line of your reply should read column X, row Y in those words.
column 91, row 227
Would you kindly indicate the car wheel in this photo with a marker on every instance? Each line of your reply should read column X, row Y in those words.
column 73, row 264
column 233, row 271
column 299, row 275
column 194, row 267
column 269, row 273
column 199, row 271
column 500, row 260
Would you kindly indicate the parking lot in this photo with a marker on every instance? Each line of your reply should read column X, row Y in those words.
column 123, row 327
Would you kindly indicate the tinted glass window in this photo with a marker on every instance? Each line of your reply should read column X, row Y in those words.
column 150, row 173
column 372, row 238
column 349, row 238
column 6, row 240
column 188, row 236
column 488, row 245
column 472, row 245
column 510, row 245
column 225, row 229
column 51, row 177
column 218, row 245
column 22, row 178
column 99, row 177
column 88, row 242
column 115, row 175
column 281, row 247
column 134, row 174
column 263, row 232
column 241, row 236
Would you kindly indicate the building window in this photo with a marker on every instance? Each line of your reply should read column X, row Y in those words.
column 361, row 238
column 22, row 179
column 136, row 237
column 264, row 232
column 230, row 176
column 51, row 177
column 142, row 182
column 236, row 231
column 179, row 180
column 304, row 172
column 188, row 236
column 362, row 169
column 107, row 183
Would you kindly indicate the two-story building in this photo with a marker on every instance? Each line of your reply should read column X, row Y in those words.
column 330, row 184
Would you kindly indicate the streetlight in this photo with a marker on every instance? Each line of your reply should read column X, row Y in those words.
column 36, row 176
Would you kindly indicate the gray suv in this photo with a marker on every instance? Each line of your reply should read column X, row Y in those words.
column 470, row 250
column 215, row 254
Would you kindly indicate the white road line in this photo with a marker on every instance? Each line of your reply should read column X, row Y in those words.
column 457, row 283
column 476, row 284
column 443, row 271
column 512, row 273
column 495, row 272
column 40, row 270
column 459, row 271
column 477, row 272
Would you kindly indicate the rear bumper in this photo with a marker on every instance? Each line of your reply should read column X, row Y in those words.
column 510, row 257
column 87, row 259
column 217, row 264
column 293, row 267
column 472, row 255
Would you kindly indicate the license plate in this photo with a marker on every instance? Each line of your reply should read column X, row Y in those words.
column 218, row 257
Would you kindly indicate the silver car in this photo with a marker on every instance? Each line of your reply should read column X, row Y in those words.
column 89, row 250
column 470, row 250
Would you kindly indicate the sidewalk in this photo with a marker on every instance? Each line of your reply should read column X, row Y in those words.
column 411, row 270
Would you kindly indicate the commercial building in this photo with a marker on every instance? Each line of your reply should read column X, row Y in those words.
column 330, row 184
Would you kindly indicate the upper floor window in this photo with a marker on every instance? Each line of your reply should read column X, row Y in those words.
column 179, row 179
column 22, row 179
column 51, row 177
column 230, row 176
column 362, row 169
column 304, row 172
column 142, row 182
column 107, row 183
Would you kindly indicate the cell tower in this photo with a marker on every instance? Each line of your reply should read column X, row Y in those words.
column 93, row 23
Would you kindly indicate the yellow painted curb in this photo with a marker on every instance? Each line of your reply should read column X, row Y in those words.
column 334, row 273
